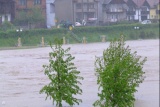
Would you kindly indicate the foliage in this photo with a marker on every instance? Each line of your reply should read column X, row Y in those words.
column 142, row 35
column 30, row 16
column 63, row 76
column 33, row 37
column 119, row 72
column 7, row 26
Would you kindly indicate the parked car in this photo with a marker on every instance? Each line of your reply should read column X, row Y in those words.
column 78, row 24
column 146, row 22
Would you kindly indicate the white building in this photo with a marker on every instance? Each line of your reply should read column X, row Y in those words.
column 50, row 13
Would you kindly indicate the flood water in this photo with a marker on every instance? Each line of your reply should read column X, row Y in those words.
column 22, row 75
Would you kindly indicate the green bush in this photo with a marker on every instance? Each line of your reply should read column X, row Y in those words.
column 6, row 26
column 142, row 35
column 132, row 36
column 33, row 37
column 151, row 35
column 118, row 72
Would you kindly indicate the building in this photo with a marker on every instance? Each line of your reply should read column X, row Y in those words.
column 27, row 7
column 158, row 11
column 50, row 13
column 28, row 4
column 154, row 12
column 141, row 9
column 144, row 11
column 94, row 12
column 132, row 10
column 88, row 10
column 7, row 10
column 115, row 11
column 79, row 10
column 64, row 10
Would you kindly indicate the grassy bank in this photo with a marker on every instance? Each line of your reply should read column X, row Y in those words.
column 92, row 34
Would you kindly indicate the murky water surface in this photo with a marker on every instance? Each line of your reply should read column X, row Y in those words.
column 22, row 76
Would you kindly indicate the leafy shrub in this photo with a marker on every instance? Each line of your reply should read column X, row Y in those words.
column 64, row 77
column 142, row 35
column 32, row 37
column 132, row 36
column 7, row 26
column 151, row 34
column 119, row 72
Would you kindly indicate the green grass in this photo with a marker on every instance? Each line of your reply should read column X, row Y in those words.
column 92, row 34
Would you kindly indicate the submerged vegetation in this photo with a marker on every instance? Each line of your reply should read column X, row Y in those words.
column 119, row 72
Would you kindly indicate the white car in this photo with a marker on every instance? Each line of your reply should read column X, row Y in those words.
column 146, row 22
column 78, row 24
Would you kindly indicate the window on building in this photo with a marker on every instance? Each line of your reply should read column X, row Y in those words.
column 144, row 8
column 90, row 15
column 112, row 10
column 6, row 18
column 52, row 9
column 85, row 5
column 37, row 2
column 79, row 15
column 131, row 9
column 112, row 16
column 117, row 16
column 22, row 2
column 91, row 5
column 132, row 17
column 79, row 6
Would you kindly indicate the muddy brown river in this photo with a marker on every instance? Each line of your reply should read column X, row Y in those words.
column 22, row 76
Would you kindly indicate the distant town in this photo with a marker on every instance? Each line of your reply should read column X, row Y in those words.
column 48, row 13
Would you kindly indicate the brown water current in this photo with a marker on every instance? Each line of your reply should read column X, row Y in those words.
column 22, row 76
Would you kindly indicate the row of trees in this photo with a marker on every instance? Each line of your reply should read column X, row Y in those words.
column 118, row 73
column 30, row 17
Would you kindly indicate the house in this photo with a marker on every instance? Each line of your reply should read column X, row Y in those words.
column 115, row 11
column 26, row 7
column 7, row 12
column 144, row 11
column 158, row 11
column 88, row 10
column 78, row 10
column 50, row 13
column 154, row 11
column 132, row 10
column 141, row 9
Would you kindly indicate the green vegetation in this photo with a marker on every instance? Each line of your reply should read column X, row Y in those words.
column 31, row 17
column 7, row 26
column 93, row 34
column 63, row 77
column 119, row 72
